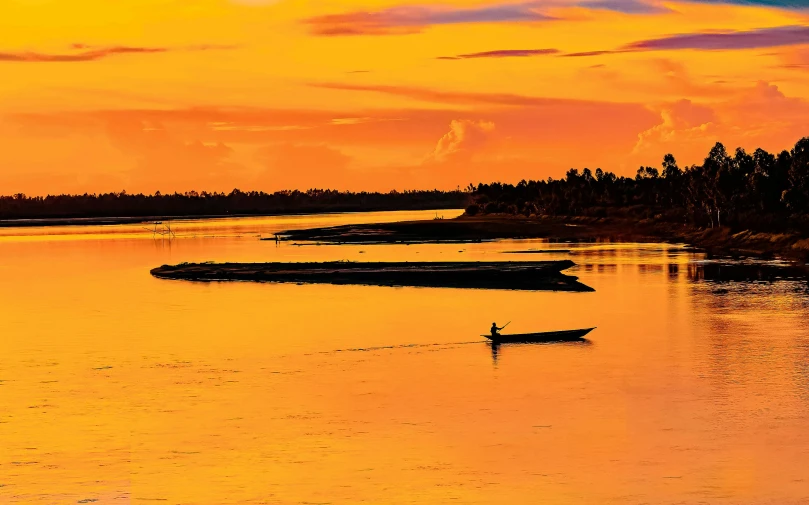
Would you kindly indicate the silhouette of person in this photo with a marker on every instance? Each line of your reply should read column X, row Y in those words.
column 496, row 329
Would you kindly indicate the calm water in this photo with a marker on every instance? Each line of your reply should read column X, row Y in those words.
column 116, row 387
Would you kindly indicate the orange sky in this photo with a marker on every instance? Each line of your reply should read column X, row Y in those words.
column 176, row 95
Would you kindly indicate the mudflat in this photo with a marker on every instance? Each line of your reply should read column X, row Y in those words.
column 718, row 241
column 524, row 275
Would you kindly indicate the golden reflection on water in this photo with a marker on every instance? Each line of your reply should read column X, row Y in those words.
column 122, row 388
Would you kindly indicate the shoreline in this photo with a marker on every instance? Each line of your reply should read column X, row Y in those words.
column 714, row 241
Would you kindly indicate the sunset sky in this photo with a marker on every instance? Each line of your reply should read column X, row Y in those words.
column 176, row 95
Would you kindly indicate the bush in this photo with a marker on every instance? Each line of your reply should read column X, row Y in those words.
column 472, row 210
column 492, row 208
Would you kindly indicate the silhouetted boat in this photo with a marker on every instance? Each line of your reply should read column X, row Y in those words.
column 547, row 336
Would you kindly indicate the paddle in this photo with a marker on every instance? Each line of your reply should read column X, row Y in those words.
column 498, row 330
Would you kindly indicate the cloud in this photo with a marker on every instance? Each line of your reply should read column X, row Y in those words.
column 760, row 116
column 407, row 19
column 681, row 121
column 92, row 55
column 587, row 53
column 625, row 6
column 463, row 138
column 782, row 4
column 86, row 53
column 764, row 109
column 502, row 53
column 219, row 148
column 727, row 40
column 714, row 40
column 452, row 97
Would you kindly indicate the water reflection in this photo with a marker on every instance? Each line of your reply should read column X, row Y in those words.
column 801, row 375
column 743, row 272
column 496, row 348
column 695, row 388
column 674, row 271
column 650, row 269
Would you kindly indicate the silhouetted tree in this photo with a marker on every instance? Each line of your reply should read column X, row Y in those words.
column 755, row 190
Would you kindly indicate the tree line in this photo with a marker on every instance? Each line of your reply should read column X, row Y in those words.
column 759, row 190
column 756, row 191
column 236, row 202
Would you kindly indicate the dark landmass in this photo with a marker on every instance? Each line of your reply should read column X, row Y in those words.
column 718, row 241
column 539, row 251
column 533, row 275
column 747, row 191
column 464, row 229
column 739, row 205
column 733, row 203
column 118, row 208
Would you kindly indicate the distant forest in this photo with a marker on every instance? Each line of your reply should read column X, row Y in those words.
column 758, row 191
column 236, row 202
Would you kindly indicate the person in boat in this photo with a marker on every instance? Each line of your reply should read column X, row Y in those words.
column 496, row 329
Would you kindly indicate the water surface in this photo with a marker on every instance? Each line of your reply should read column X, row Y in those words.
column 122, row 388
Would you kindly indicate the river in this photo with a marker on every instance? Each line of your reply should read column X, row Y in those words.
column 117, row 387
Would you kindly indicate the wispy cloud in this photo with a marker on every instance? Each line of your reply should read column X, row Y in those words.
column 588, row 53
column 727, row 40
column 414, row 18
column 782, row 4
column 714, row 40
column 502, row 53
column 450, row 97
column 625, row 6
column 407, row 19
column 91, row 55
column 83, row 53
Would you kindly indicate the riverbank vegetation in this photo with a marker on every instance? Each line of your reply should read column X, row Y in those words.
column 759, row 191
column 741, row 205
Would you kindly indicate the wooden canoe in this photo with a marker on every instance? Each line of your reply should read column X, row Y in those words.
column 547, row 336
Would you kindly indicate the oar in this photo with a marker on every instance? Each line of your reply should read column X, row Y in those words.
column 504, row 326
